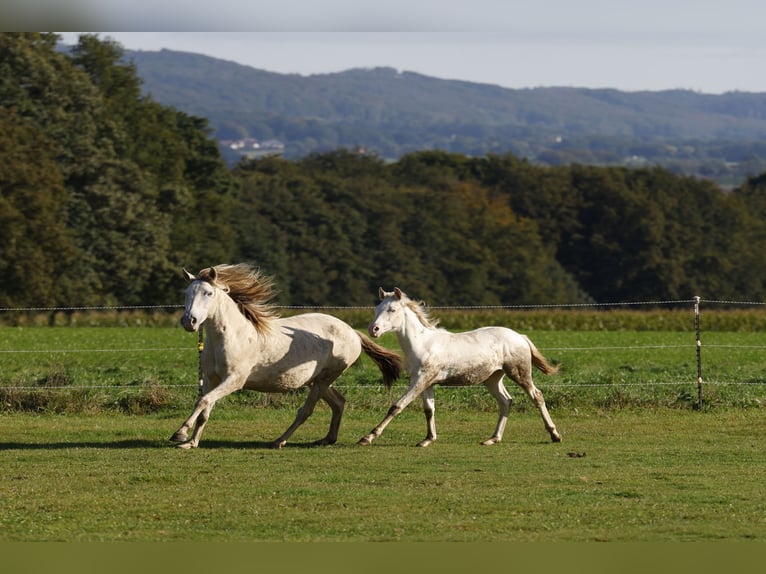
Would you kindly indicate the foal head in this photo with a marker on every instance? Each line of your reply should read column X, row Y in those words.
column 390, row 313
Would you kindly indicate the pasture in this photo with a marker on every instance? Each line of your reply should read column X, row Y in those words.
column 669, row 475
column 86, row 413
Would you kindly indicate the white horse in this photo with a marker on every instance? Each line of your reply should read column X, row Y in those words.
column 249, row 346
column 434, row 356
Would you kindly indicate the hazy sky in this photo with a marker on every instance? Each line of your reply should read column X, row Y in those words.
column 711, row 46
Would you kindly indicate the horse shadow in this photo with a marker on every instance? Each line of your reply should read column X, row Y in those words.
column 147, row 444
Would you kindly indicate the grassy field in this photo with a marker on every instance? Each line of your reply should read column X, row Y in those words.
column 85, row 414
column 142, row 369
column 628, row 475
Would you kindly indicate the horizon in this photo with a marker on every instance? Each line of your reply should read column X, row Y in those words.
column 652, row 59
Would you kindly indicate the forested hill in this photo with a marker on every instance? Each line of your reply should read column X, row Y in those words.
column 105, row 194
column 393, row 113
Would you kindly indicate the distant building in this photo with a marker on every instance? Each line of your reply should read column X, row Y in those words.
column 253, row 148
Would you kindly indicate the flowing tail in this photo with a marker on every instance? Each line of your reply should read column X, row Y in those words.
column 389, row 363
column 539, row 361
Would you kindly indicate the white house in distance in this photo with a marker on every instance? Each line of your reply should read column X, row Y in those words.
column 251, row 147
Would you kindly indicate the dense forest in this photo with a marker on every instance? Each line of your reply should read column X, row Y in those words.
column 105, row 195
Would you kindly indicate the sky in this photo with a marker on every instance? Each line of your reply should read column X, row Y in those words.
column 710, row 46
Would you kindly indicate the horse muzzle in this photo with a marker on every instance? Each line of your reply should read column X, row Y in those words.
column 189, row 322
column 373, row 330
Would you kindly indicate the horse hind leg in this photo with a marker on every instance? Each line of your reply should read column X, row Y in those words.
column 304, row 412
column 536, row 395
column 337, row 402
column 504, row 400
column 429, row 408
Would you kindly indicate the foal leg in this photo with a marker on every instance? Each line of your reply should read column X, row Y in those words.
column 415, row 389
column 497, row 389
column 536, row 395
column 429, row 408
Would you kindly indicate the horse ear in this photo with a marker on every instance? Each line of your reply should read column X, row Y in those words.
column 381, row 293
column 398, row 292
column 188, row 276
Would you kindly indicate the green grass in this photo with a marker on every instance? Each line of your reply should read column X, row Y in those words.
column 85, row 414
column 147, row 369
column 642, row 475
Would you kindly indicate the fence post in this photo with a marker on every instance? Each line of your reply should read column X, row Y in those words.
column 699, row 351
column 200, row 348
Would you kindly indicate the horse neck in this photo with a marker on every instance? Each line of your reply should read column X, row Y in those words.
column 226, row 319
column 413, row 334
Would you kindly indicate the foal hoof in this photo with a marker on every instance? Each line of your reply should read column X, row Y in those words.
column 490, row 441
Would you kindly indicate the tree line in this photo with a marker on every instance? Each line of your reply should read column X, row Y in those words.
column 105, row 195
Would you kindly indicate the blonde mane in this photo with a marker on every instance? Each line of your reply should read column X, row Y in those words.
column 248, row 288
column 418, row 307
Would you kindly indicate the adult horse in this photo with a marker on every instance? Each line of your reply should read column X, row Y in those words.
column 434, row 356
column 249, row 346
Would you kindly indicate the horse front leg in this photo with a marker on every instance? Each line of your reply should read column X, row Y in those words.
column 415, row 389
column 202, row 409
column 182, row 434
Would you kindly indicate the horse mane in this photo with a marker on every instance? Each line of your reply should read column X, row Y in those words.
column 423, row 315
column 248, row 288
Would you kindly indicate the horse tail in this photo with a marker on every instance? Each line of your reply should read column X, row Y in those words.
column 389, row 363
column 539, row 361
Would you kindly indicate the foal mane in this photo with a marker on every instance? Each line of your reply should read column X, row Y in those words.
column 248, row 288
column 418, row 307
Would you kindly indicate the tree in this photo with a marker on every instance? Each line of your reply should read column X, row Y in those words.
column 37, row 249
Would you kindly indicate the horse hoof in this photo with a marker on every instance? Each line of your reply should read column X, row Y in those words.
column 556, row 437
column 186, row 445
column 490, row 441
column 424, row 443
column 178, row 437
column 323, row 442
column 364, row 441
column 278, row 444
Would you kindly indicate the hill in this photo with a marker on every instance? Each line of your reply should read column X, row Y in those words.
column 392, row 113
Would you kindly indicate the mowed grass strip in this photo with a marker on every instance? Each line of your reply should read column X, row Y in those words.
column 619, row 475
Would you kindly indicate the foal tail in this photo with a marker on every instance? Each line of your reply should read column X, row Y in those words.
column 539, row 361
column 389, row 363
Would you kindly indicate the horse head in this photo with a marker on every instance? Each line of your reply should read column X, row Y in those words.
column 199, row 299
column 389, row 314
